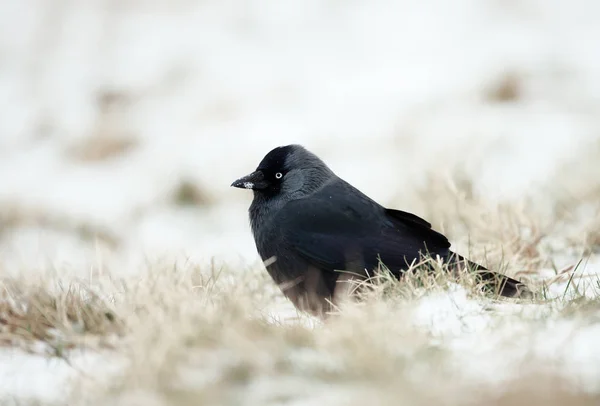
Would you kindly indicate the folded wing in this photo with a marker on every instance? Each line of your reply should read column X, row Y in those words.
column 355, row 235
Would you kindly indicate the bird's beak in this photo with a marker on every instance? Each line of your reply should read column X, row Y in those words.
column 249, row 181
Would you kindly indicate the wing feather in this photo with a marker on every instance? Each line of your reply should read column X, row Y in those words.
column 355, row 234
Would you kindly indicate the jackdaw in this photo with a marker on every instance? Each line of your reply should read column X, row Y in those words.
column 316, row 232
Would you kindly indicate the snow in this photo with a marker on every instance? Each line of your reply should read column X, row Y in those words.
column 450, row 313
column 381, row 90
column 30, row 377
column 493, row 349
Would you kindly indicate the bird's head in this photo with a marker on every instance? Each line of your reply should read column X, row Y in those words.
column 286, row 170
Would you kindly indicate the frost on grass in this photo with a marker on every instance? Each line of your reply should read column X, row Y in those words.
column 58, row 315
column 212, row 336
column 189, row 334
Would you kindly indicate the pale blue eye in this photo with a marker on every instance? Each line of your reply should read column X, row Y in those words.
column 278, row 175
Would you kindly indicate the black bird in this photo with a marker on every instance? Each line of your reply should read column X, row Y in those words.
column 314, row 231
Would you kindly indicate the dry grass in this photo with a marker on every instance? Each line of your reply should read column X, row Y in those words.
column 592, row 236
column 14, row 215
column 188, row 193
column 214, row 335
column 61, row 316
column 110, row 138
column 559, row 219
column 509, row 237
column 508, row 88
column 577, row 201
column 101, row 147
column 207, row 335
column 199, row 336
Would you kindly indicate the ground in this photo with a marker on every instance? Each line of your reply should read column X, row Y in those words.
column 129, row 274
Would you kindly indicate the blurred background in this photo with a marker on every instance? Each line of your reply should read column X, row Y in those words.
column 123, row 122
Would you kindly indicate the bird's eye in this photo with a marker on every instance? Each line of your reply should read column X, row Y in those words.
column 278, row 175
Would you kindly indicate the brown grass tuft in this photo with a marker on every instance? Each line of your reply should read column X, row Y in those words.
column 204, row 336
column 216, row 335
column 101, row 147
column 14, row 215
column 507, row 88
column 188, row 193
column 505, row 237
column 60, row 316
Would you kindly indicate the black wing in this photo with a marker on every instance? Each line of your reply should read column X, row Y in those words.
column 354, row 234
column 435, row 241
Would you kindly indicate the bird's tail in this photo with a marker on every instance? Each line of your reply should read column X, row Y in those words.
column 492, row 281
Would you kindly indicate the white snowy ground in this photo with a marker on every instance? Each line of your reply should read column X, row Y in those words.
column 384, row 91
